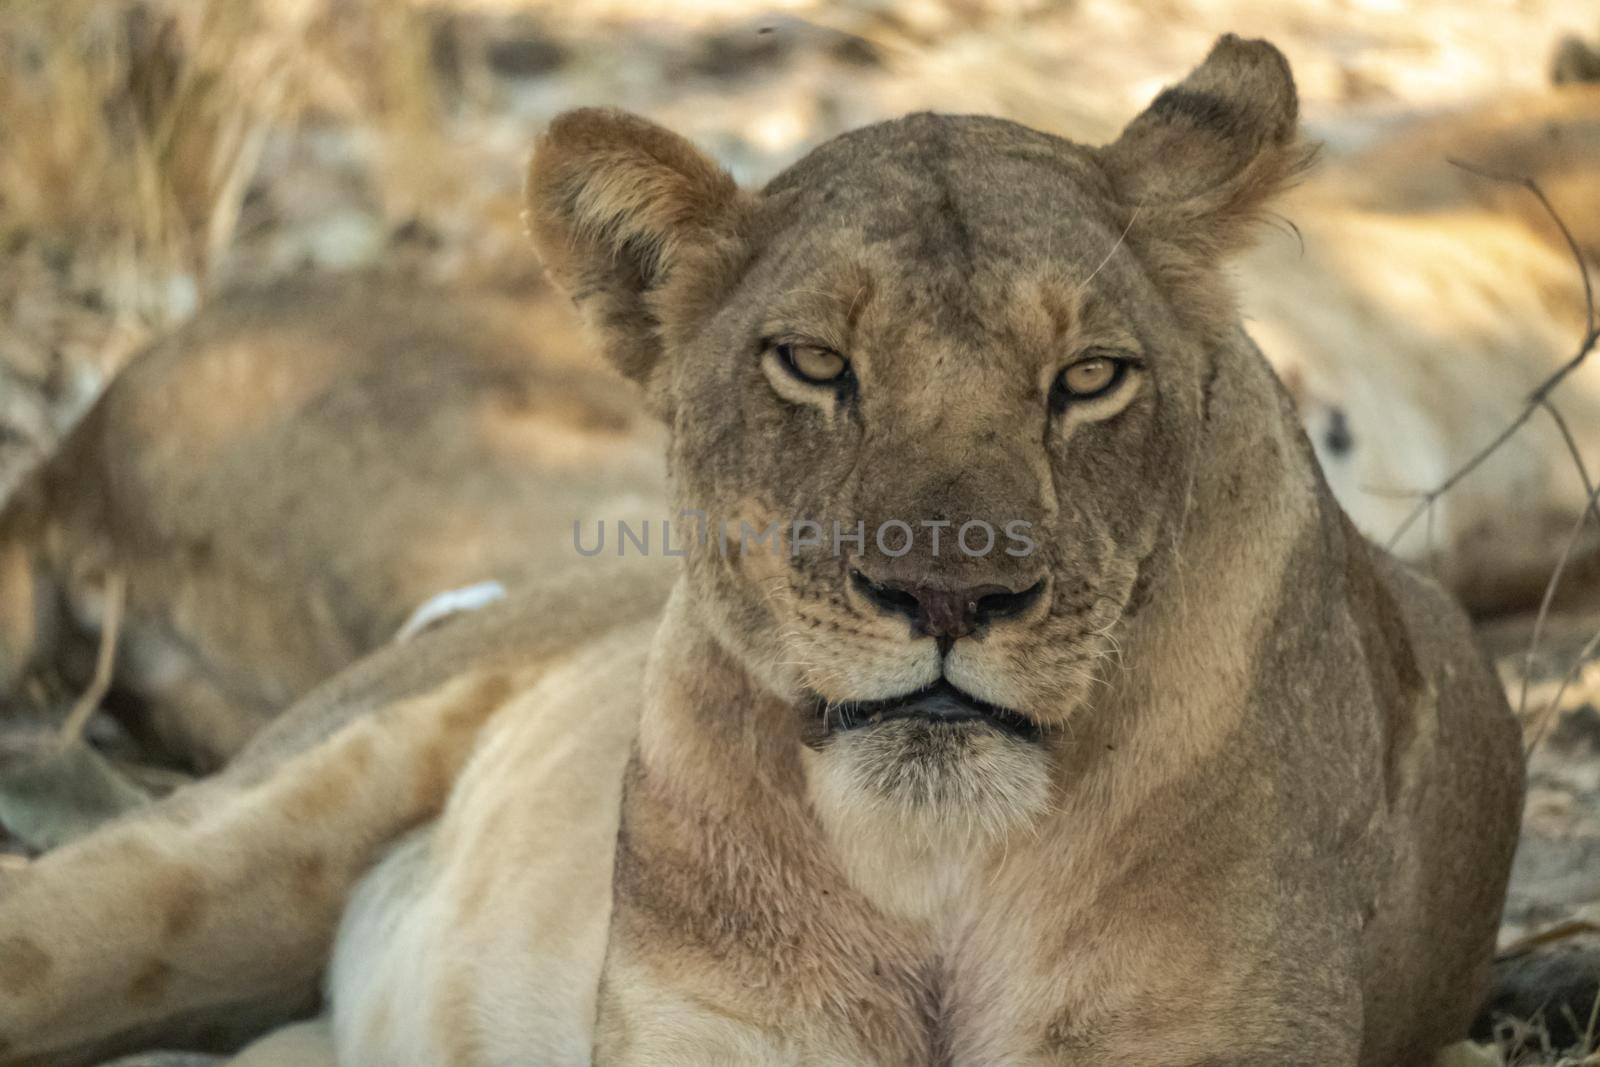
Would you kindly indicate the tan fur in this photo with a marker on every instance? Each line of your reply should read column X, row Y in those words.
column 1256, row 796
column 284, row 480
column 1551, row 137
column 232, row 889
column 1442, row 299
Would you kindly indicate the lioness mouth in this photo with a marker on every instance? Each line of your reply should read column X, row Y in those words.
column 940, row 702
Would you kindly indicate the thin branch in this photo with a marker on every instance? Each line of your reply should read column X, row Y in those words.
column 1535, row 399
column 1590, row 325
column 1541, row 394
column 1594, row 1019
column 78, row 719
column 1577, row 456
column 1559, row 932
column 1592, row 507
column 1571, row 676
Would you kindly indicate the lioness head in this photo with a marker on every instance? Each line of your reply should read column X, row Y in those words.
column 963, row 365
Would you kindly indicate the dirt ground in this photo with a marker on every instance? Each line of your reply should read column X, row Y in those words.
column 302, row 136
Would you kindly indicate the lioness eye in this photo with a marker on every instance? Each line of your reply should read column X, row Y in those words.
column 1089, row 378
column 813, row 363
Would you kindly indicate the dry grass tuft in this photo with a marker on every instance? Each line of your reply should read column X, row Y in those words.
column 131, row 129
column 131, row 135
column 1528, row 1044
column 129, row 132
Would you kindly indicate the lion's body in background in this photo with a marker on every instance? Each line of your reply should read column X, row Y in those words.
column 281, row 483
column 1413, row 308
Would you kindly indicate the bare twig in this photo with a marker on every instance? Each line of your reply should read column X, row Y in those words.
column 1555, row 217
column 1539, row 399
column 1540, row 395
column 1594, row 1018
column 1550, row 587
column 1561, row 931
column 1561, row 690
column 1577, row 456
column 76, row 721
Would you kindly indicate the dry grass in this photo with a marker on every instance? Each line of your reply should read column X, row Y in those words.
column 128, row 134
column 130, row 130
column 1527, row 1043
column 131, row 134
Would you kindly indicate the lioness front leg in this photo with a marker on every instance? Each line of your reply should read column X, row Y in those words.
column 211, row 913
column 1248, row 1010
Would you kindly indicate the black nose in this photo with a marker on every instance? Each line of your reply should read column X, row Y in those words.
column 946, row 614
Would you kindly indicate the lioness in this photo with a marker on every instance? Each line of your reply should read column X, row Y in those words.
column 1202, row 778
column 283, row 481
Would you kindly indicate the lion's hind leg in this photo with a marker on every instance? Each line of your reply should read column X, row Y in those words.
column 210, row 914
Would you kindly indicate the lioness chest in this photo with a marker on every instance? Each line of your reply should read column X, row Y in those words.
column 552, row 931
column 571, row 904
column 967, row 999
column 1046, row 954
column 879, row 993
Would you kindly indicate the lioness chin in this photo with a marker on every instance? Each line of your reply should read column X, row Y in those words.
column 1202, row 778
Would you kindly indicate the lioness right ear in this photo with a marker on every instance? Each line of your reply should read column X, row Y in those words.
column 633, row 222
column 1201, row 161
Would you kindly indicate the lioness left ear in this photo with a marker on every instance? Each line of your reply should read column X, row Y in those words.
column 1206, row 155
column 634, row 223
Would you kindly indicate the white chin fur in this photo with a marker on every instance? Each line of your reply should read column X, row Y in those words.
column 912, row 807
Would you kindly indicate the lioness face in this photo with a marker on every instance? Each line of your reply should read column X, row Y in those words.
column 936, row 390
column 934, row 355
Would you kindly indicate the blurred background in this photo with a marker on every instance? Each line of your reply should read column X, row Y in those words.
column 155, row 152
column 156, row 155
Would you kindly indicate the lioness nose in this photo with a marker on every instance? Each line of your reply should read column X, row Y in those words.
column 946, row 614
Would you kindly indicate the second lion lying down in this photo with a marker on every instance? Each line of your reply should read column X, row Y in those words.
column 1199, row 777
